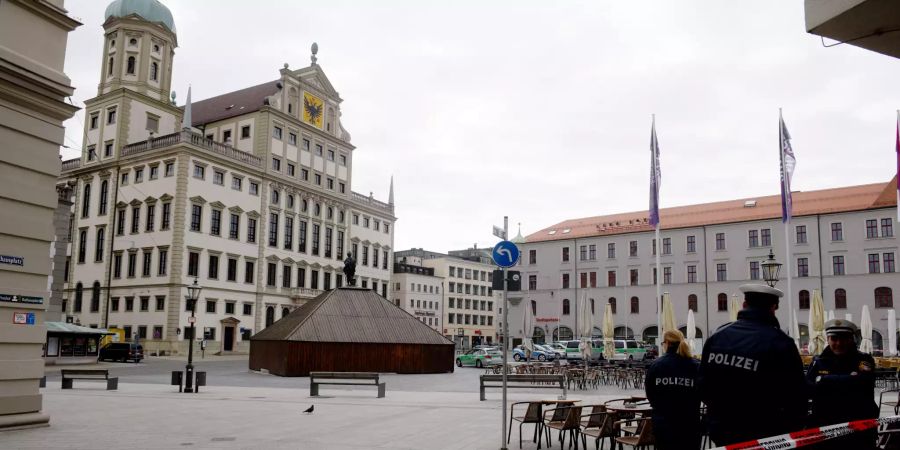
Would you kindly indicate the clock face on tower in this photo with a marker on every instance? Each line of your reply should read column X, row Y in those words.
column 313, row 110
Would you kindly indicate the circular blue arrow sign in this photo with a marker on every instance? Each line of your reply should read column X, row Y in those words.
column 505, row 254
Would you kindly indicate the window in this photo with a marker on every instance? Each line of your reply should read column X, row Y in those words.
column 98, row 251
column 163, row 263
column 304, row 174
column 94, row 119
column 871, row 228
column 145, row 306
column 802, row 267
column 330, row 183
column 314, row 279
column 211, row 306
column 837, row 265
column 342, row 188
column 292, row 138
column 632, row 248
column 117, row 265
column 166, row 216
column 582, row 251
column 565, row 281
column 132, row 264
column 721, row 272
column 286, row 276
column 874, row 263
column 276, row 133
column 111, row 116
column 592, row 252
column 837, row 231
column 887, row 228
column 114, row 306
column 315, row 244
column 154, row 172
column 318, row 179
column 170, row 169
column 610, row 278
column 139, row 175
column 135, row 218
column 612, row 304
column 328, row 245
column 86, row 201
column 248, row 271
column 565, row 307
column 691, row 244
column 193, row 264
column 245, row 132
column 722, row 302
column 319, row 149
column 131, row 65
column 276, row 164
column 653, row 250
column 840, row 299
column 251, row 230
column 291, row 169
column 720, row 241
column 229, row 308
column 801, row 234
column 611, row 250
column 667, row 246
column 754, row 270
column 691, row 274
column 107, row 149
column 635, row 305
column 888, row 260
column 213, row 267
column 154, row 72
column 231, row 273
column 565, row 254
column 753, row 237
column 271, row 273
column 196, row 215
column 765, row 237
column 129, row 303
column 199, row 172
column 92, row 152
column 343, row 160
column 884, row 297
column 147, row 263
column 692, row 302
column 219, row 177
column 633, row 277
column 248, row 309
column 331, row 155
column 288, row 233
column 804, row 299
column 104, row 194
column 254, row 188
column 302, row 237
column 532, row 256
column 125, row 179
column 667, row 275
column 273, row 229
column 236, row 183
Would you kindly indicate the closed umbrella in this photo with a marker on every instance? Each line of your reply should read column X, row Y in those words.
column 528, row 328
column 608, row 329
column 735, row 307
column 668, row 315
column 865, row 327
column 816, row 324
column 795, row 331
column 586, row 328
column 892, row 333
column 691, row 329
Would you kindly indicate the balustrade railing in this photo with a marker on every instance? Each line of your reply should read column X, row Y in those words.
column 360, row 198
column 71, row 164
column 192, row 138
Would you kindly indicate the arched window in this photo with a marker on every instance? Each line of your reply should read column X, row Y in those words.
column 596, row 333
column 110, row 66
column 650, row 334
column 877, row 340
column 317, row 210
column 154, row 71
column 95, row 297
column 131, row 64
column 565, row 307
column 722, row 301
column 612, row 304
column 635, row 305
column 86, row 200
column 104, row 193
column 270, row 316
column 538, row 336
column 285, row 312
column 79, row 296
column 697, row 333
column 275, row 199
column 592, row 307
column 621, row 332
column 804, row 299
column 840, row 299
column 692, row 302
column 884, row 297
column 563, row 333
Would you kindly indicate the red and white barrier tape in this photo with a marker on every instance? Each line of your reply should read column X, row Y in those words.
column 810, row 436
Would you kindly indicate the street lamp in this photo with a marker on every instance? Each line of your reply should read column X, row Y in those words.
column 770, row 270
column 193, row 295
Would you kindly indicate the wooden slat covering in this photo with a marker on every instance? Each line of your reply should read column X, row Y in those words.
column 297, row 359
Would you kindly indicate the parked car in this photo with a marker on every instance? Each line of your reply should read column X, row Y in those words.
column 652, row 351
column 559, row 348
column 573, row 350
column 539, row 353
column 479, row 358
column 122, row 351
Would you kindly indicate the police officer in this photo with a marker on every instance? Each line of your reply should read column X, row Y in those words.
column 751, row 375
column 672, row 390
column 843, row 381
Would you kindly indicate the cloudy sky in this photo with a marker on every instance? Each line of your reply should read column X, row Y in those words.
column 541, row 110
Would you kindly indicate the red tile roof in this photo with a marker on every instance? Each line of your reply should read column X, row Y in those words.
column 844, row 199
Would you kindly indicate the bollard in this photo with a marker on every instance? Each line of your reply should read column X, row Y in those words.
column 178, row 378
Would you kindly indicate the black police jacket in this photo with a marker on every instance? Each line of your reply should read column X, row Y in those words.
column 842, row 387
column 751, row 379
column 671, row 387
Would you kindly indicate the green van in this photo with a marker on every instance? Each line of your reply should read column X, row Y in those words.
column 625, row 350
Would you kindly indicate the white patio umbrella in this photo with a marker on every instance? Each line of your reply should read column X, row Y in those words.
column 865, row 328
column 668, row 315
column 795, row 331
column 691, row 329
column 734, row 308
column 586, row 328
column 528, row 330
column 892, row 333
column 816, row 324
column 609, row 329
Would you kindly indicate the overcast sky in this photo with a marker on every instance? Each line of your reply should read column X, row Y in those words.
column 541, row 110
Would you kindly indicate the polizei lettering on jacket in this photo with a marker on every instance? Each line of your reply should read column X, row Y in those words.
column 674, row 381
column 734, row 361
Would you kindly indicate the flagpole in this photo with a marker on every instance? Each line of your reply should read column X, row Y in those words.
column 656, row 230
column 787, row 237
column 897, row 149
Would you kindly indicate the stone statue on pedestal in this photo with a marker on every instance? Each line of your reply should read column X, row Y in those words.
column 350, row 269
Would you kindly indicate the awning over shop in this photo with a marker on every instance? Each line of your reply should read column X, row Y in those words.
column 63, row 327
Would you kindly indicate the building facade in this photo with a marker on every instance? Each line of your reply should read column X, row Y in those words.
column 842, row 243
column 419, row 292
column 33, row 88
column 469, row 305
column 248, row 192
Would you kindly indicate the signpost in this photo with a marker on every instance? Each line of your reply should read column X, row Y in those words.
column 505, row 255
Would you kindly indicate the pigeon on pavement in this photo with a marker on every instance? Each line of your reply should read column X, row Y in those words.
column 310, row 409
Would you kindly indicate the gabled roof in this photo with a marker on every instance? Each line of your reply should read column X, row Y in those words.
column 352, row 315
column 232, row 104
column 825, row 201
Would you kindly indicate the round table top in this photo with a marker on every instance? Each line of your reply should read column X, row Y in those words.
column 642, row 408
column 556, row 400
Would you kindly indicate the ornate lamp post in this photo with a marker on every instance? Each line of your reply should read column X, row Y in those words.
column 770, row 269
column 193, row 296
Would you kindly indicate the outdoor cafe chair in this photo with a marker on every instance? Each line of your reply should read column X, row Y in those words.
column 643, row 435
column 599, row 425
column 532, row 415
column 570, row 423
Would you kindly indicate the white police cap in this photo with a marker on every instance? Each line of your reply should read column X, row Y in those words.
column 761, row 289
column 839, row 326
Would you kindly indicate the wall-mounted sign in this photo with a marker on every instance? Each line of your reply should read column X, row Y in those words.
column 23, row 318
column 546, row 319
column 14, row 260
column 21, row 299
column 424, row 313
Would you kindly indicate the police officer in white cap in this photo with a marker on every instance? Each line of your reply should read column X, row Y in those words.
column 843, row 380
column 751, row 374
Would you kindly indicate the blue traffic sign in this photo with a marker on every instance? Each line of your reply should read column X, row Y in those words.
column 505, row 254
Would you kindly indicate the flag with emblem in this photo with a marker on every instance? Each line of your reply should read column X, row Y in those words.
column 655, row 176
column 788, row 162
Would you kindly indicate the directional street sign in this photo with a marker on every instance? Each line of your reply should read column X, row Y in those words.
column 505, row 254
column 499, row 232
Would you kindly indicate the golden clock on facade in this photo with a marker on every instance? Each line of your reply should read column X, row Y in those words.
column 313, row 110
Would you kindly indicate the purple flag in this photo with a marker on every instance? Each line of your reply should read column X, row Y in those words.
column 787, row 169
column 655, row 176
